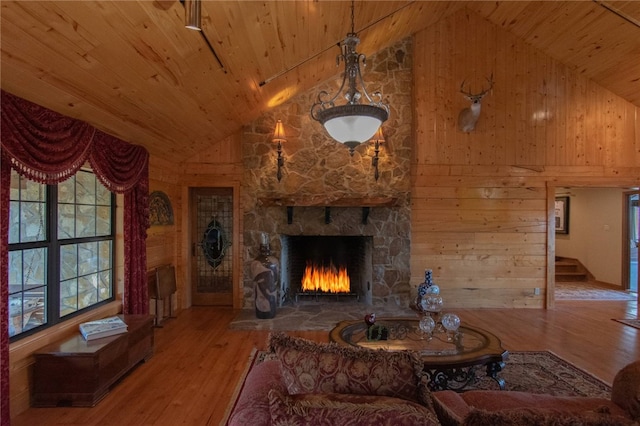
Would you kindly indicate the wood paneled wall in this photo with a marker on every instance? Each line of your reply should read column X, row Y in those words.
column 162, row 242
column 480, row 203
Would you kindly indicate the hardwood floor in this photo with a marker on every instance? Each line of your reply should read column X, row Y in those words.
column 198, row 361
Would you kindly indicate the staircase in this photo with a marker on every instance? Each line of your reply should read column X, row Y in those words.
column 568, row 269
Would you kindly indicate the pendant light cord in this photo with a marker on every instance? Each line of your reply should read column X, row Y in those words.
column 353, row 19
column 310, row 58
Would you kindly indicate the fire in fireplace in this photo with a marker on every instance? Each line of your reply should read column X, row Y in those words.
column 318, row 265
column 326, row 279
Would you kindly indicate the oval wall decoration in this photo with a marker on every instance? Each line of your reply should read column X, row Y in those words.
column 160, row 210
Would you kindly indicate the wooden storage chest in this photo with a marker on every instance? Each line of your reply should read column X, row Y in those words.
column 79, row 373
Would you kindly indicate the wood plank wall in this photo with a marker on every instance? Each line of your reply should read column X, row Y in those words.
column 162, row 240
column 218, row 166
column 480, row 203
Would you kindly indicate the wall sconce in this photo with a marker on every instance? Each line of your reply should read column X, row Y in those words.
column 378, row 139
column 192, row 15
column 279, row 137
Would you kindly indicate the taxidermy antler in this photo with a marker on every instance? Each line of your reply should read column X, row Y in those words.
column 469, row 116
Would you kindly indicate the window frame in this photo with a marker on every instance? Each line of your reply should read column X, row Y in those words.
column 53, row 246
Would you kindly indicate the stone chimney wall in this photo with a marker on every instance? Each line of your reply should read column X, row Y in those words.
column 319, row 172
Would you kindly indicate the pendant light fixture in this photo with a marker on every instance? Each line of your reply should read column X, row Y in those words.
column 354, row 122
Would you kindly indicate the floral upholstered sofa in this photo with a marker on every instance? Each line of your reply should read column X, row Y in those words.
column 309, row 383
column 318, row 383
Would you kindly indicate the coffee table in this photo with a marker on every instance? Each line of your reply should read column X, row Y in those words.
column 450, row 362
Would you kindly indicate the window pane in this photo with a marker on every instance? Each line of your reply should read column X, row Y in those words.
column 14, row 222
column 27, row 268
column 68, row 297
column 103, row 221
column 66, row 191
column 66, row 221
column 15, row 315
column 32, row 191
column 104, row 291
column 16, row 184
column 32, row 222
column 27, row 290
column 85, row 188
column 104, row 254
column 85, row 221
column 68, row 261
column 87, row 258
column 34, row 266
column 15, row 270
column 34, row 313
column 26, row 311
column 103, row 195
column 87, row 290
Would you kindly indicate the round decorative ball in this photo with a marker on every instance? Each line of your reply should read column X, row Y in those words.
column 427, row 324
column 450, row 322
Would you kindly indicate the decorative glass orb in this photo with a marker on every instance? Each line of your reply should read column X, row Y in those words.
column 423, row 306
column 451, row 322
column 434, row 303
column 434, row 290
column 427, row 324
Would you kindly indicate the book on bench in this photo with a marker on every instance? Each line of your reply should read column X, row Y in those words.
column 102, row 328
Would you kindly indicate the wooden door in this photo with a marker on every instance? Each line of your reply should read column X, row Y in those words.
column 212, row 259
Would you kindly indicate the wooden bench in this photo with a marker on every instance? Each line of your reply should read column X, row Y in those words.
column 79, row 373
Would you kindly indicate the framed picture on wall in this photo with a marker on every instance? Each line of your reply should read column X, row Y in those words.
column 562, row 215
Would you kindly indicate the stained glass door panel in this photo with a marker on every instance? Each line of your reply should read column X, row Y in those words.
column 211, row 236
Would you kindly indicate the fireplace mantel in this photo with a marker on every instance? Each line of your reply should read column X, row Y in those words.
column 324, row 201
column 365, row 203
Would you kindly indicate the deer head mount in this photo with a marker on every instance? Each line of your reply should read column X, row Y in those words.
column 469, row 116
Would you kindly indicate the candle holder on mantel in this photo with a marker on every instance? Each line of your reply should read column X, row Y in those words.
column 265, row 272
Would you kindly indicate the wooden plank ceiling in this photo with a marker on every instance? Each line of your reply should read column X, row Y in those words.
column 131, row 69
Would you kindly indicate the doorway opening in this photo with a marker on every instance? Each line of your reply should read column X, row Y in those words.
column 631, row 241
column 589, row 257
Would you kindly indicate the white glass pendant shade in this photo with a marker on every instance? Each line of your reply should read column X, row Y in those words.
column 352, row 124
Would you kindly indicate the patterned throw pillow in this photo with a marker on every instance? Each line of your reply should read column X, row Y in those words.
column 312, row 367
column 346, row 410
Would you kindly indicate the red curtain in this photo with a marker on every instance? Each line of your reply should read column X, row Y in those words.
column 48, row 147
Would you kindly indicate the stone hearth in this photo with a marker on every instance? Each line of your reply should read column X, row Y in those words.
column 315, row 316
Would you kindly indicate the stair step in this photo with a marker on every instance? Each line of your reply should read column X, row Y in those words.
column 571, row 276
column 566, row 267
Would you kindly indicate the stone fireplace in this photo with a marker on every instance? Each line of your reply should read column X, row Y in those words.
column 326, row 191
column 376, row 253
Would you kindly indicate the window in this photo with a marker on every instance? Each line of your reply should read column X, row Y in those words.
column 61, row 240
